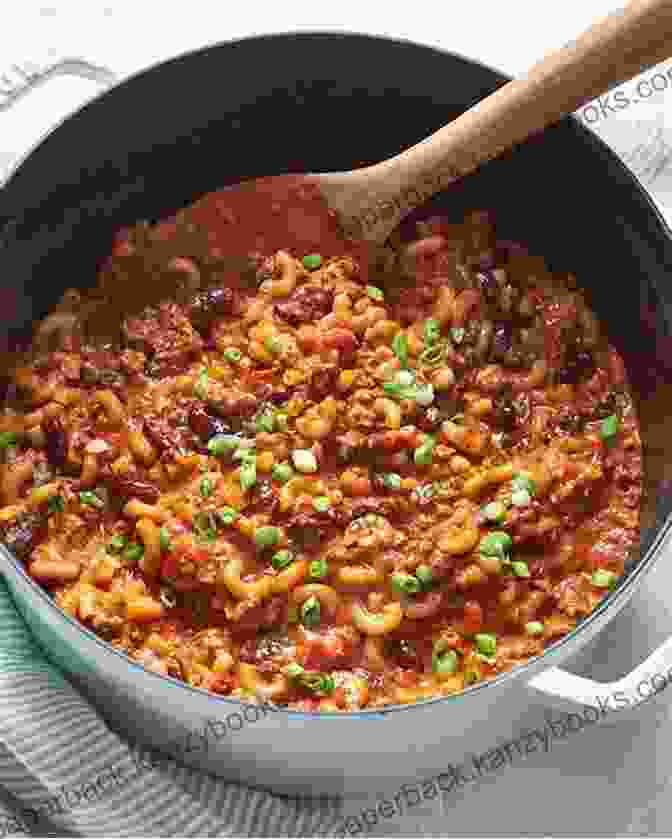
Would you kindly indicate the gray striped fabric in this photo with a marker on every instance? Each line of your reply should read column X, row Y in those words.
column 53, row 743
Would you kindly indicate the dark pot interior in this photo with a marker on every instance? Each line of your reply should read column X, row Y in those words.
column 320, row 102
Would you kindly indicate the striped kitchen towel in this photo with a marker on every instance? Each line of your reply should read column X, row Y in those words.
column 63, row 772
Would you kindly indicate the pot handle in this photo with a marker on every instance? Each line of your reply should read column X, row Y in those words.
column 23, row 76
column 569, row 692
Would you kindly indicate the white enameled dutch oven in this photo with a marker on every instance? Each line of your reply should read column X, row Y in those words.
column 160, row 139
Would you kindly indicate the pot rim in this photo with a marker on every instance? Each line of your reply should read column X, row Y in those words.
column 613, row 602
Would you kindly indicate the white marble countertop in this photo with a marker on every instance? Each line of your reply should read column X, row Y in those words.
column 614, row 778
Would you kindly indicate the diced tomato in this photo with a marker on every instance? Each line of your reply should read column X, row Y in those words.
column 339, row 339
column 343, row 615
column 333, row 647
column 598, row 558
column 169, row 566
column 473, row 617
column 169, row 628
column 569, row 471
column 197, row 555
column 408, row 678
column 218, row 682
column 309, row 339
column 360, row 487
column 254, row 376
column 339, row 697
column 324, row 654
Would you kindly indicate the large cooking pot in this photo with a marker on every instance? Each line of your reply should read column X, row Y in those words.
column 319, row 102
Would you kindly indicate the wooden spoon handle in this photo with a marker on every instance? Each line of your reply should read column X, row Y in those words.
column 611, row 51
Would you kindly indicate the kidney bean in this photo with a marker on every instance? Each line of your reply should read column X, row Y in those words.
column 426, row 606
column 56, row 441
column 430, row 419
column 501, row 340
column 160, row 435
column 133, row 488
column 204, row 424
column 307, row 303
column 488, row 284
column 236, row 405
column 340, row 339
column 323, row 383
column 24, row 534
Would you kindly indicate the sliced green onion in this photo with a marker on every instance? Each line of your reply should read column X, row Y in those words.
column 534, row 628
column 400, row 391
column 327, row 684
column 522, row 481
column 609, row 427
column 321, row 503
column 7, row 438
column 486, row 644
column 164, row 539
column 432, row 356
column 206, row 487
column 424, row 395
column 496, row 543
column 117, row 543
column 281, row 559
column 391, row 480
column 248, row 472
column 220, row 444
column 405, row 584
column 266, row 537
column 425, row 575
column 201, row 386
column 603, row 578
column 273, row 344
column 520, row 568
column 432, row 331
column 375, row 293
column 520, row 498
column 304, row 460
column 91, row 499
column 310, row 611
column 265, row 422
column 446, row 663
column 133, row 552
column 400, row 347
column 56, row 504
column 282, row 472
column 227, row 516
column 495, row 512
column 232, row 355
column 319, row 568
column 422, row 456
column 205, row 526
column 405, row 378
column 312, row 261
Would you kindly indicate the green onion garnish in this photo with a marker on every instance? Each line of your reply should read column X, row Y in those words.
column 312, row 261
column 400, row 347
column 609, row 427
column 201, row 386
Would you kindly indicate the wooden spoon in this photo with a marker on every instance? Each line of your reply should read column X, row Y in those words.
column 355, row 211
column 371, row 201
